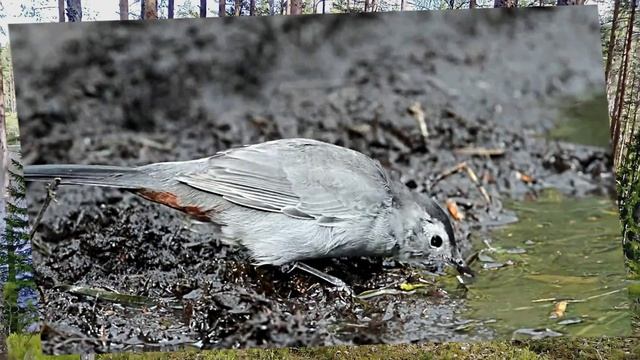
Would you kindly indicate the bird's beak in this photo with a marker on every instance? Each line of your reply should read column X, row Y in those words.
column 462, row 267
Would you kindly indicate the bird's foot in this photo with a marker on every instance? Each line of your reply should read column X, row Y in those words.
column 338, row 283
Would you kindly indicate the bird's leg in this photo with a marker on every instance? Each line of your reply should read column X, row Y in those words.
column 322, row 275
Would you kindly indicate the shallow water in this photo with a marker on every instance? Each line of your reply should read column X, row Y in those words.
column 562, row 249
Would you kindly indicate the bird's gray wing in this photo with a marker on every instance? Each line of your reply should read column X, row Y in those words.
column 301, row 178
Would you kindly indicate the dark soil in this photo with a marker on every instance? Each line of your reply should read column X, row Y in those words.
column 136, row 93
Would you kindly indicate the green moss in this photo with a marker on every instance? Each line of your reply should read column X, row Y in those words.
column 28, row 347
column 12, row 129
column 586, row 348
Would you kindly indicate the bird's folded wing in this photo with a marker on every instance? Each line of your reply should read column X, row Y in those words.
column 315, row 185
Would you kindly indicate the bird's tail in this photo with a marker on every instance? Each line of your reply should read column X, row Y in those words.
column 93, row 175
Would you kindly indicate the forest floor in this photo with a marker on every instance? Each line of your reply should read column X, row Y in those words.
column 498, row 81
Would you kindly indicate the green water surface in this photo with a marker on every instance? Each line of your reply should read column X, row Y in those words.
column 573, row 252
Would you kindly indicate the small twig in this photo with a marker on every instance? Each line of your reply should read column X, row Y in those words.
column 449, row 171
column 51, row 194
column 596, row 296
column 474, row 178
column 488, row 245
column 418, row 114
column 472, row 175
column 543, row 300
column 479, row 151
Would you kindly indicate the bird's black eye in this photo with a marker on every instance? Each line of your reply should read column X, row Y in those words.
column 436, row 241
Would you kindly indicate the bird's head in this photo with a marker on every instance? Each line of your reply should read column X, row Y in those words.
column 428, row 238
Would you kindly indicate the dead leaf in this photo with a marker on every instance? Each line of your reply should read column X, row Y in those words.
column 454, row 211
column 525, row 178
column 559, row 309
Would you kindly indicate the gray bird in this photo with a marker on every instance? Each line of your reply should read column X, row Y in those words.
column 289, row 200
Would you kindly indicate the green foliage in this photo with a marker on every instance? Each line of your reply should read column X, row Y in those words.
column 29, row 347
column 628, row 175
column 14, row 254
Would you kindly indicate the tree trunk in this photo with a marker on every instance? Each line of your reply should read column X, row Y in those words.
column 149, row 9
column 124, row 10
column 624, row 137
column 170, row 8
column 222, row 8
column 612, row 39
column 621, row 85
column 472, row 4
column 74, row 10
column 237, row 7
column 4, row 159
column 272, row 9
column 252, row 7
column 401, row 4
column 61, row 16
column 366, row 5
column 373, row 5
column 505, row 3
column 569, row 2
column 203, row 8
column 634, row 120
column 296, row 7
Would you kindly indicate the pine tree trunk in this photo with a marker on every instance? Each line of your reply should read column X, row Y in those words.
column 203, row 8
column 237, row 7
column 472, row 4
column 624, row 137
column 505, row 3
column 622, row 83
column 222, row 8
column 170, row 8
column 569, row 2
column 252, row 7
column 74, row 10
column 61, row 16
column 124, row 10
column 4, row 160
column 149, row 9
column 4, row 168
column 296, row 7
column 612, row 39
column 272, row 9
column 401, row 4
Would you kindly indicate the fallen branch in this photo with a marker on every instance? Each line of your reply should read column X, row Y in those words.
column 51, row 194
column 481, row 188
column 472, row 175
column 450, row 171
column 480, row 151
column 418, row 114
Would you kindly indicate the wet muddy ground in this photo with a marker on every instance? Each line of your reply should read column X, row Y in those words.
column 104, row 93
